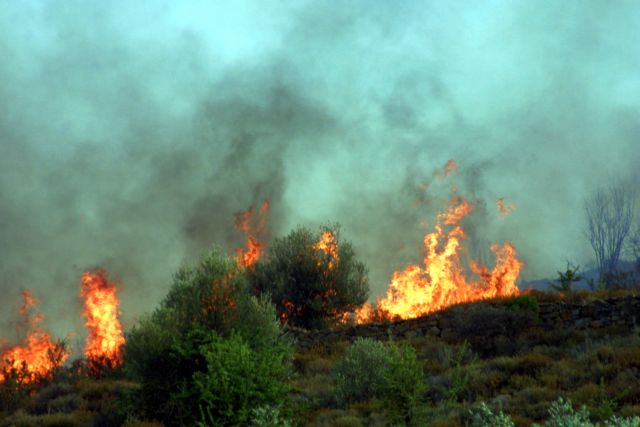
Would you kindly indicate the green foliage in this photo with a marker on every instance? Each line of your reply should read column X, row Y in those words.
column 484, row 417
column 616, row 421
column 237, row 379
column 403, row 391
column 459, row 374
column 562, row 414
column 567, row 279
column 524, row 302
column 170, row 351
column 267, row 416
column 386, row 371
column 359, row 375
column 309, row 287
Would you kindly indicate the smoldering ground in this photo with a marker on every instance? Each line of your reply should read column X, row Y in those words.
column 130, row 134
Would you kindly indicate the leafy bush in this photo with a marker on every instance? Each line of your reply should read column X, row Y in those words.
column 166, row 349
column 237, row 379
column 359, row 375
column 404, row 386
column 562, row 414
column 484, row 417
column 310, row 287
column 267, row 416
column 386, row 371
column 525, row 303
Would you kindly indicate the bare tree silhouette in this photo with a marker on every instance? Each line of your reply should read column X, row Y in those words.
column 609, row 213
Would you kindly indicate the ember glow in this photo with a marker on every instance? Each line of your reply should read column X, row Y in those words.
column 103, row 348
column 441, row 281
column 329, row 246
column 38, row 355
column 504, row 208
column 244, row 222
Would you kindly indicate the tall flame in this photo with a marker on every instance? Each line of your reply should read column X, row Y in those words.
column 38, row 355
column 441, row 282
column 103, row 348
column 243, row 222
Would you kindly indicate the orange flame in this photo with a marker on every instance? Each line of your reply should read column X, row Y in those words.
column 450, row 167
column 103, row 348
column 504, row 208
column 329, row 246
column 441, row 282
column 38, row 356
column 249, row 256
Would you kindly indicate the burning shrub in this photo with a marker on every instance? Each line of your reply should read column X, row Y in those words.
column 313, row 278
column 207, row 303
column 103, row 349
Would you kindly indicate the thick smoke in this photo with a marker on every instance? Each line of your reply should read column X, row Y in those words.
column 130, row 135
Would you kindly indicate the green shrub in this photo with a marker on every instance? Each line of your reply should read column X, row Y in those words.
column 237, row 380
column 566, row 279
column 484, row 417
column 359, row 375
column 310, row 287
column 268, row 416
column 164, row 351
column 404, row 386
column 524, row 302
column 562, row 414
column 386, row 371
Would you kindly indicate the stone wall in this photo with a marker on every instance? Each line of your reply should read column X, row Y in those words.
column 592, row 314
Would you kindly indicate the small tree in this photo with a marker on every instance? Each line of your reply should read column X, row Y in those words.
column 313, row 278
column 609, row 213
column 567, row 279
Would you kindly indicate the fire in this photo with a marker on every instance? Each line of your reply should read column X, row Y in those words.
column 329, row 246
column 450, row 167
column 254, row 250
column 441, row 281
column 38, row 355
column 103, row 348
column 504, row 208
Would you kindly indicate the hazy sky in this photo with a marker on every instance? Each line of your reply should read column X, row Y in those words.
column 130, row 132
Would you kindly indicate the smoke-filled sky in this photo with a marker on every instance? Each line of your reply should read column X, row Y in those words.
column 131, row 132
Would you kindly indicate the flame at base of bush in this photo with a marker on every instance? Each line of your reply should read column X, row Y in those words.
column 103, row 348
column 442, row 282
column 38, row 356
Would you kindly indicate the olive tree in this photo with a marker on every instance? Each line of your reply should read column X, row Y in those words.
column 312, row 285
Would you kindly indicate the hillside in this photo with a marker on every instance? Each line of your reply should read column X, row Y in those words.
column 518, row 355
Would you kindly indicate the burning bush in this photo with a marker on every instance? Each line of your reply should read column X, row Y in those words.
column 103, row 348
column 174, row 351
column 38, row 355
column 313, row 278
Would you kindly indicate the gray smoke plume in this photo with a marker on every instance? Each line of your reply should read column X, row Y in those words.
column 130, row 134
